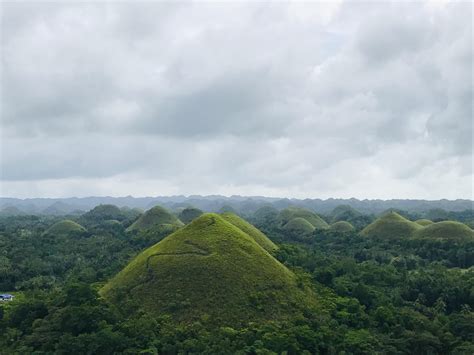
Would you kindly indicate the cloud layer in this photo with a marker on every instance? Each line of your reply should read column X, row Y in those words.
column 303, row 100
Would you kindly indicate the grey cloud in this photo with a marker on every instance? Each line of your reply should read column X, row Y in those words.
column 299, row 99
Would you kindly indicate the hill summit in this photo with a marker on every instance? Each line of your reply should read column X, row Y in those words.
column 449, row 230
column 391, row 225
column 65, row 228
column 290, row 213
column 211, row 270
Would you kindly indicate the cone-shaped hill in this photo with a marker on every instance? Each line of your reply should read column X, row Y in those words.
column 391, row 225
column 155, row 217
column 298, row 227
column 189, row 214
column 64, row 228
column 246, row 227
column 424, row 222
column 210, row 269
column 342, row 227
column 446, row 230
column 290, row 213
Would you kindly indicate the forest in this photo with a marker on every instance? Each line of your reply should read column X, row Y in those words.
column 266, row 281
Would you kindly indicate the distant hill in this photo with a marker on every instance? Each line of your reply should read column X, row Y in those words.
column 101, row 213
column 293, row 212
column 8, row 211
column 65, row 228
column 298, row 227
column 189, row 214
column 251, row 230
column 245, row 204
column 446, row 230
column 209, row 269
column 154, row 217
column 391, row 225
column 341, row 227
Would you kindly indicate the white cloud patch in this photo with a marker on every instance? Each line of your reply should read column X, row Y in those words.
column 339, row 99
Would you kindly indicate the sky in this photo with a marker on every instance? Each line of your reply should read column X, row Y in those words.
column 284, row 99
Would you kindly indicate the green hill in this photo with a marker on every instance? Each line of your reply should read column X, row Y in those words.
column 343, row 213
column 298, row 227
column 391, row 225
column 209, row 270
column 424, row 222
column 103, row 212
column 342, row 227
column 155, row 217
column 64, row 228
column 446, row 230
column 255, row 233
column 189, row 214
column 294, row 212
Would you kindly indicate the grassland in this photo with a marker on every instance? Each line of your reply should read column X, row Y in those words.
column 249, row 229
column 424, row 222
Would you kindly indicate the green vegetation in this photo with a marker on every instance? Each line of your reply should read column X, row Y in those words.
column 424, row 222
column 189, row 214
column 330, row 292
column 249, row 229
column 446, row 230
column 211, row 269
column 299, row 227
column 342, row 227
column 64, row 228
column 391, row 225
column 155, row 217
column 294, row 212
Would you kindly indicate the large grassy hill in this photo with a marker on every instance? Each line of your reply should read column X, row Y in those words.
column 446, row 230
column 155, row 217
column 290, row 213
column 246, row 227
column 64, row 228
column 211, row 271
column 391, row 225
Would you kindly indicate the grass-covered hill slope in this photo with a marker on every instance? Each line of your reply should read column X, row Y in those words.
column 446, row 230
column 391, row 225
column 155, row 217
column 209, row 270
column 64, row 228
column 424, row 222
column 298, row 227
column 252, row 231
column 342, row 227
column 290, row 213
column 189, row 214
column 103, row 212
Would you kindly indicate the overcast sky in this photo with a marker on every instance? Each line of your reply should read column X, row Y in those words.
column 312, row 100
